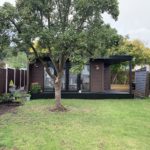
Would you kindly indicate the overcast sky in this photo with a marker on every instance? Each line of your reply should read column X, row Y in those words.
column 134, row 19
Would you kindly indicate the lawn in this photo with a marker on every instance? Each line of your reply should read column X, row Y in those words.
column 89, row 125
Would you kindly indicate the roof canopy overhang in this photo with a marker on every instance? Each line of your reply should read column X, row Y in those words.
column 116, row 59
column 113, row 59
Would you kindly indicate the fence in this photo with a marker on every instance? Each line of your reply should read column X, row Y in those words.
column 19, row 78
column 141, row 83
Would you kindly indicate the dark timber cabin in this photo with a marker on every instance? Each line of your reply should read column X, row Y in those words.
column 94, row 81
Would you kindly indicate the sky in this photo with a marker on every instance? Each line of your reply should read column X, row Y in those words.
column 133, row 19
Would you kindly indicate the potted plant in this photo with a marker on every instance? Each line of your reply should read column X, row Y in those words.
column 35, row 88
column 27, row 96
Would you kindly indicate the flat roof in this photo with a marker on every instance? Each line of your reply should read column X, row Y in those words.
column 116, row 59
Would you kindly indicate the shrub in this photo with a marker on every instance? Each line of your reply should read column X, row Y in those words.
column 22, row 95
column 18, row 96
column 35, row 88
column 5, row 98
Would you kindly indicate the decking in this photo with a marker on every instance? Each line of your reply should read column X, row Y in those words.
column 85, row 95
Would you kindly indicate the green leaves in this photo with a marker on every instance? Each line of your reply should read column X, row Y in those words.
column 64, row 29
column 135, row 48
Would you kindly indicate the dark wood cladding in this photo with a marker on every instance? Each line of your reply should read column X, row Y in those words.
column 97, row 76
column 36, row 74
column 17, row 78
column 107, row 78
column 22, row 78
column 2, row 80
column 100, row 74
column 26, row 79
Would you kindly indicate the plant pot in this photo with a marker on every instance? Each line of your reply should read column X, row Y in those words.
column 28, row 98
column 12, row 89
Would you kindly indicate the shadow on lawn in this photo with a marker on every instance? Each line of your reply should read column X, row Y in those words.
column 8, row 107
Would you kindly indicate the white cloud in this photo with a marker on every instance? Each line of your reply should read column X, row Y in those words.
column 133, row 19
column 10, row 1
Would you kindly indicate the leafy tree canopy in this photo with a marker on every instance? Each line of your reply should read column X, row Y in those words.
column 17, row 61
column 135, row 48
column 64, row 29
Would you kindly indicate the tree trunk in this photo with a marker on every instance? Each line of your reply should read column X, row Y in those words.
column 58, row 105
column 58, row 93
column 115, row 78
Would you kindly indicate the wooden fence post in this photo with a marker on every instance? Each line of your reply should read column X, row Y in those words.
column 28, row 78
column 20, row 78
column 24, row 79
column 6, row 80
column 15, row 77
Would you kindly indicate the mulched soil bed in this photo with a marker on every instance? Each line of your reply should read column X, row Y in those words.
column 8, row 107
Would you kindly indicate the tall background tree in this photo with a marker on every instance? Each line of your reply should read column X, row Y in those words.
column 4, row 42
column 71, row 30
column 134, row 48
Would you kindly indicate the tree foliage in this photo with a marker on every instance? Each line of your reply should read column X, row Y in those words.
column 64, row 30
column 135, row 48
column 17, row 61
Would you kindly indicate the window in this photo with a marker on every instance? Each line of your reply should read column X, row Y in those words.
column 85, row 78
column 63, row 87
column 72, row 81
column 48, row 81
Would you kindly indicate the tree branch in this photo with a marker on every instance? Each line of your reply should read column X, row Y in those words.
column 43, row 63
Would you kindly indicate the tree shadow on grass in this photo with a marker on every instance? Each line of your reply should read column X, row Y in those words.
column 8, row 108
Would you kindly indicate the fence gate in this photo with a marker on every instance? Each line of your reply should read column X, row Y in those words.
column 141, row 83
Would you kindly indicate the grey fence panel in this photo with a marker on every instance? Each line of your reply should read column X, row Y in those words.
column 141, row 83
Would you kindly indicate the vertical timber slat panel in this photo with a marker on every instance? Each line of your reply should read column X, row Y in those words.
column 17, row 78
column 26, row 79
column 107, row 78
column 22, row 78
column 97, row 77
column 36, row 74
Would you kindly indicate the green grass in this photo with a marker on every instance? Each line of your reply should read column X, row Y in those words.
column 89, row 125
